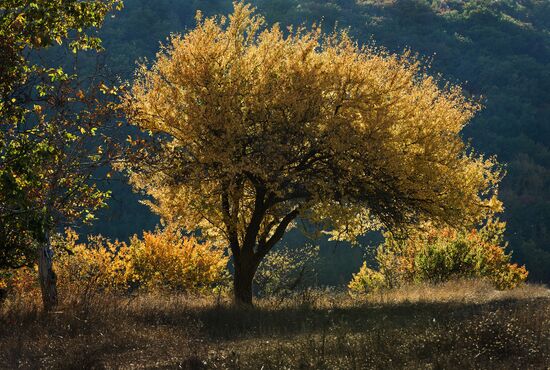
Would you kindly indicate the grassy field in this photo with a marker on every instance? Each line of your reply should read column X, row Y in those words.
column 456, row 325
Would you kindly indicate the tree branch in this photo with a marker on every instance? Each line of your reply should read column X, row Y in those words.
column 256, row 219
column 230, row 226
column 277, row 235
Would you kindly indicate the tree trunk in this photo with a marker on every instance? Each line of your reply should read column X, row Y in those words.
column 245, row 259
column 47, row 275
column 242, row 282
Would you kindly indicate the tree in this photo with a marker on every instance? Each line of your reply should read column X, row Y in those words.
column 50, row 146
column 252, row 128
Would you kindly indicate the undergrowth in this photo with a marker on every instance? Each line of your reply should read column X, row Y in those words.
column 461, row 324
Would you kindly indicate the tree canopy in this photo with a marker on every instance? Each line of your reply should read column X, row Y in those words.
column 253, row 127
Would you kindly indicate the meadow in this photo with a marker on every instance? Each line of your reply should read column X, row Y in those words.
column 458, row 324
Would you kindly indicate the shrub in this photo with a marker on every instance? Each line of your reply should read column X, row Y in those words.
column 3, row 283
column 21, row 282
column 168, row 260
column 367, row 280
column 286, row 269
column 438, row 255
column 83, row 270
column 164, row 259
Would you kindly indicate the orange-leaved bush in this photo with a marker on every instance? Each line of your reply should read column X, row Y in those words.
column 21, row 282
column 161, row 260
column 82, row 269
column 436, row 255
column 85, row 269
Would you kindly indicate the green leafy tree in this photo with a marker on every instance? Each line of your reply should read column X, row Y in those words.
column 51, row 144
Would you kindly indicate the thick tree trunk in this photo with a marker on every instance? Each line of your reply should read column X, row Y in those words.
column 47, row 275
column 247, row 257
column 242, row 282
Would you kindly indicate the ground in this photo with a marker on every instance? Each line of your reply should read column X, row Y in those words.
column 456, row 325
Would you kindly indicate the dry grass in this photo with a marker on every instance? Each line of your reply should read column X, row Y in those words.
column 456, row 325
column 458, row 291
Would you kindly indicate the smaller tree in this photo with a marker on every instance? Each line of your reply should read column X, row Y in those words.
column 51, row 143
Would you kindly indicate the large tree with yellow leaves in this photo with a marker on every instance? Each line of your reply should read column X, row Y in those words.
column 253, row 127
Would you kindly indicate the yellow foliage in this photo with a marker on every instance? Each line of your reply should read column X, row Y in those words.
column 366, row 280
column 161, row 260
column 251, row 127
column 168, row 260
column 261, row 123
column 22, row 281
column 85, row 269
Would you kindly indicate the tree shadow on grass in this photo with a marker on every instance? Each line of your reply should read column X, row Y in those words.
column 228, row 322
column 444, row 335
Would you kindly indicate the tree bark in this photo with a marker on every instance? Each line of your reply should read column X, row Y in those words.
column 46, row 274
column 242, row 281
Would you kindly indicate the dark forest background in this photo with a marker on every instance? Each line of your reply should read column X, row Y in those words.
column 499, row 50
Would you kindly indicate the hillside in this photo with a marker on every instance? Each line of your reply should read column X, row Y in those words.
column 498, row 50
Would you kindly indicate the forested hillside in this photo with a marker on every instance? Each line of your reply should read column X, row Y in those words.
column 497, row 50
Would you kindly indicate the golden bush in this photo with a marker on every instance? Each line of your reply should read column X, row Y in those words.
column 164, row 259
column 168, row 260
column 21, row 282
column 367, row 280
column 85, row 269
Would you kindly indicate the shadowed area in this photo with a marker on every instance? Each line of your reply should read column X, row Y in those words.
column 472, row 324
